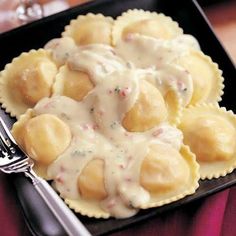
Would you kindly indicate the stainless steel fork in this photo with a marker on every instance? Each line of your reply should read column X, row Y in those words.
column 14, row 160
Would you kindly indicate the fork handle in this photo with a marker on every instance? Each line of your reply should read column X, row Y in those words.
column 65, row 216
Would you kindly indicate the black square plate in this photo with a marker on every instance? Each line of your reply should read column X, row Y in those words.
column 191, row 18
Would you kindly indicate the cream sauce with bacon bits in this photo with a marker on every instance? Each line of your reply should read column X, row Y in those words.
column 95, row 122
column 97, row 133
column 152, row 56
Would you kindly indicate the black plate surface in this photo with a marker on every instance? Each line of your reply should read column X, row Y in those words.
column 191, row 19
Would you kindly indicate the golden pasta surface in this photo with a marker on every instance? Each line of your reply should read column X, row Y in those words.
column 31, row 77
column 72, row 83
column 90, row 29
column 162, row 171
column 148, row 111
column 91, row 181
column 210, row 132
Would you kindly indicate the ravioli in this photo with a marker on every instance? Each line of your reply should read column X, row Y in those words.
column 49, row 132
column 144, row 23
column 210, row 132
column 30, row 76
column 152, row 108
column 72, row 83
column 207, row 78
column 91, row 181
column 176, row 174
column 34, row 132
column 148, row 111
column 163, row 170
column 61, row 49
column 89, row 29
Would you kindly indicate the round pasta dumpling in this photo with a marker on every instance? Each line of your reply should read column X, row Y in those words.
column 61, row 49
column 168, row 174
column 49, row 132
column 207, row 78
column 211, row 134
column 148, row 111
column 72, row 83
column 91, row 181
column 30, row 76
column 18, row 131
column 42, row 137
column 163, row 169
column 144, row 23
column 90, row 28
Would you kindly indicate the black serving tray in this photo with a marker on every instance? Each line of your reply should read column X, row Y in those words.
column 35, row 35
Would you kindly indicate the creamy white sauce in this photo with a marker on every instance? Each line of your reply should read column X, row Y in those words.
column 95, row 122
column 156, row 56
column 61, row 49
column 171, row 77
column 97, row 133
column 186, row 41
column 97, row 60
column 146, row 52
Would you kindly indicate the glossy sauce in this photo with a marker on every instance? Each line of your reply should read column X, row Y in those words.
column 96, row 121
column 146, row 52
column 104, row 137
column 155, row 56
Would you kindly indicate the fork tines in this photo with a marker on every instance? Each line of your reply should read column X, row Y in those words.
column 7, row 140
column 18, row 166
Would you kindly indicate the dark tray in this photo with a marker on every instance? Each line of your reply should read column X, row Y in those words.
column 35, row 35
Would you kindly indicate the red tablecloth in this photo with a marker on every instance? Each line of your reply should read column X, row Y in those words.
column 211, row 216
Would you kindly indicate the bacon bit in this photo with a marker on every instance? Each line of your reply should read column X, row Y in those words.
column 95, row 126
column 124, row 92
column 59, row 179
column 181, row 85
column 157, row 132
column 111, row 204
